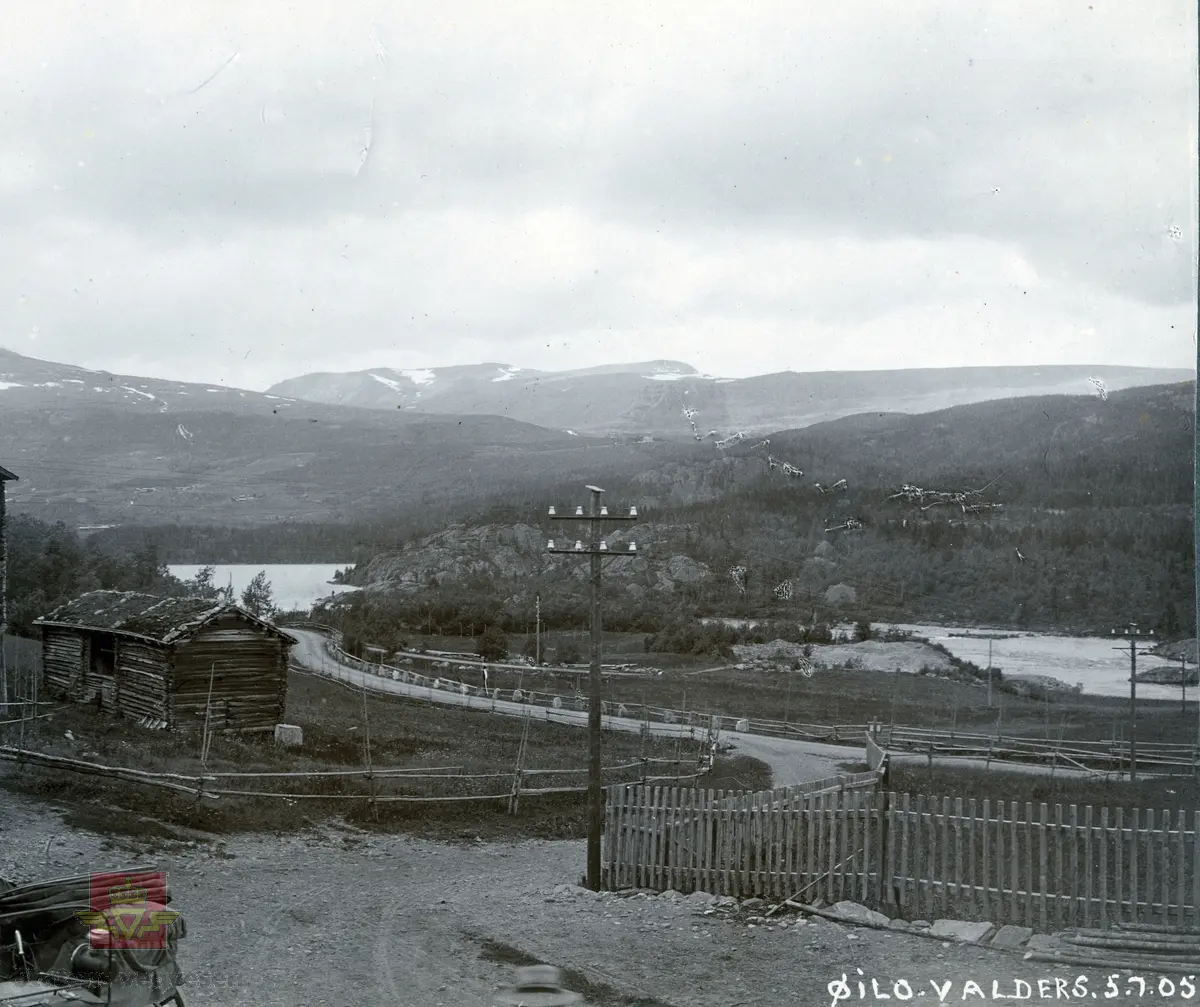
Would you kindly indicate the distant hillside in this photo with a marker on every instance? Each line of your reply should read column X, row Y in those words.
column 100, row 449
column 93, row 448
column 651, row 398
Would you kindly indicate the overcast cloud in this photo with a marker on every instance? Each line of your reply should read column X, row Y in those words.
column 238, row 195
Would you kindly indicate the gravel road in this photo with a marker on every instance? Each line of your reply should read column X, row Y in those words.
column 343, row 918
column 790, row 761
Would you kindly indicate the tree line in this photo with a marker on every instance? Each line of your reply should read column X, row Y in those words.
column 51, row 564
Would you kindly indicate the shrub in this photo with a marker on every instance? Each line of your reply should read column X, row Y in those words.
column 492, row 644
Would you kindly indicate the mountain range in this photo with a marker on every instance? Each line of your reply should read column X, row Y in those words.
column 97, row 449
column 667, row 398
column 94, row 448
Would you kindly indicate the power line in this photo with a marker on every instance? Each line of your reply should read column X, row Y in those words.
column 1133, row 633
column 596, row 550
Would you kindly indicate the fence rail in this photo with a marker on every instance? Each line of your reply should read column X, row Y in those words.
column 1106, row 756
column 356, row 784
column 1038, row 865
column 784, row 797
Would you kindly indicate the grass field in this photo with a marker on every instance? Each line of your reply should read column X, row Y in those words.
column 997, row 785
column 843, row 696
column 403, row 733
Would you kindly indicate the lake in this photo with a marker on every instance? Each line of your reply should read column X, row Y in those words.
column 1090, row 660
column 295, row 585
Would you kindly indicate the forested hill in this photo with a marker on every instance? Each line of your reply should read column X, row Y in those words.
column 1094, row 527
column 1133, row 449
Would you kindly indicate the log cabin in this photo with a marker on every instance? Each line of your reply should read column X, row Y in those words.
column 166, row 661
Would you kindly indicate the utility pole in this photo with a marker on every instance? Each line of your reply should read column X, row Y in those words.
column 1196, row 527
column 537, row 631
column 5, row 476
column 596, row 549
column 1133, row 633
column 989, row 674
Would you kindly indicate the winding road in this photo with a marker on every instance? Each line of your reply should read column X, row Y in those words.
column 791, row 761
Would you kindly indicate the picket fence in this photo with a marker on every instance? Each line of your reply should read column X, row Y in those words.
column 1008, row 862
column 782, row 797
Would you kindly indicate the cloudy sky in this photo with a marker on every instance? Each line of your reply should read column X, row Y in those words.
column 245, row 191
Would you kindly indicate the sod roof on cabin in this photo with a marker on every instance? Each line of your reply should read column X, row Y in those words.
column 165, row 620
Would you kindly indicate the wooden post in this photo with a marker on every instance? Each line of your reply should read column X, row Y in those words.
column 4, row 476
column 367, row 748
column 514, row 799
column 207, row 738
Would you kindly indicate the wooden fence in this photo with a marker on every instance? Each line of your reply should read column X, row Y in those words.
column 1101, row 756
column 377, row 785
column 784, row 797
column 1046, row 867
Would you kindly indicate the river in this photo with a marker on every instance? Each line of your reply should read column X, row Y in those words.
column 1099, row 664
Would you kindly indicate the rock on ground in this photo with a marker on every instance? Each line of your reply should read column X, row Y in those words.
column 859, row 913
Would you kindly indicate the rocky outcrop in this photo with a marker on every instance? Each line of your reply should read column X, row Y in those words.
column 509, row 554
column 841, row 594
column 500, row 551
column 818, row 568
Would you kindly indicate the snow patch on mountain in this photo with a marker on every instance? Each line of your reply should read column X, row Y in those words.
column 392, row 384
column 420, row 377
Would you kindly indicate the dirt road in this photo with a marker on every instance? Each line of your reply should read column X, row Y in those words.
column 790, row 761
column 352, row 920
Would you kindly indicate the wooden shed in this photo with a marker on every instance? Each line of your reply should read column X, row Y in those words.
column 156, row 659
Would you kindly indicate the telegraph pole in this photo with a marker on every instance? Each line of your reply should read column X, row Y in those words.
column 989, row 674
column 5, row 476
column 537, row 631
column 1133, row 633
column 596, row 549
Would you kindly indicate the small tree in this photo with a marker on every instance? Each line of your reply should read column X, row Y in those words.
column 862, row 631
column 258, row 598
column 203, row 585
column 492, row 644
column 567, row 653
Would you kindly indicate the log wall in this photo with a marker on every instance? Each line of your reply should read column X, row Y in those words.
column 248, row 670
column 63, row 655
column 141, row 683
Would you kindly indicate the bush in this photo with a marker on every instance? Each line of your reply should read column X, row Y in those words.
column 818, row 633
column 567, row 653
column 492, row 644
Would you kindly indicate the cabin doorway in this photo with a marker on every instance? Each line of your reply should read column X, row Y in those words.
column 102, row 662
